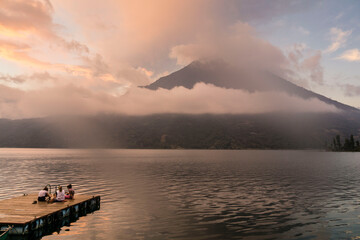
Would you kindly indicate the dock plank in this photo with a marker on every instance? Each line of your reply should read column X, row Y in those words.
column 21, row 210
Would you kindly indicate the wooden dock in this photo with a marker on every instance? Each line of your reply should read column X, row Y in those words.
column 26, row 217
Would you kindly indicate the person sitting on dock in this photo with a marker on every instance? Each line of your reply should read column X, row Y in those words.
column 59, row 196
column 71, row 193
column 43, row 194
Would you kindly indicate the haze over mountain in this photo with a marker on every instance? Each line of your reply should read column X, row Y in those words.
column 205, row 131
column 224, row 75
column 304, row 128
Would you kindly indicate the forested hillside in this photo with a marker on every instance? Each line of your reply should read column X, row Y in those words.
column 261, row 131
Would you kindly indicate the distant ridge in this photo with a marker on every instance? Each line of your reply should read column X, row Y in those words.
column 221, row 74
column 164, row 131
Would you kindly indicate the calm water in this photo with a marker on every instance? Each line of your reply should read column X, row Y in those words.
column 188, row 194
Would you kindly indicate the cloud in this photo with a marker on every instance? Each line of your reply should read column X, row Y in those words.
column 75, row 46
column 32, row 41
column 303, row 30
column 187, row 53
column 313, row 66
column 81, row 56
column 339, row 16
column 141, row 33
column 264, row 11
column 18, row 52
column 29, row 81
column 241, row 46
column 351, row 90
column 238, row 45
column 126, row 36
column 33, row 18
column 210, row 99
column 139, row 101
column 303, row 65
column 352, row 55
column 9, row 102
column 338, row 38
column 20, row 17
column 12, row 79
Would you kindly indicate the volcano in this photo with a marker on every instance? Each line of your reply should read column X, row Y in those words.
column 224, row 75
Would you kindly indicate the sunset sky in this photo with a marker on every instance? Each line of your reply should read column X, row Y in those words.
column 66, row 56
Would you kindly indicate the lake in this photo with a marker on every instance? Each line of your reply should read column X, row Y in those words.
column 197, row 194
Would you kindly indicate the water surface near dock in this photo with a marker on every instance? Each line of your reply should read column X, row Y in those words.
column 197, row 194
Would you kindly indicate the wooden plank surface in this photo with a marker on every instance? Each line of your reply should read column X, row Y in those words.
column 20, row 210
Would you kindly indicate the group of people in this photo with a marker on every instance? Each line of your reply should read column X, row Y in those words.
column 59, row 196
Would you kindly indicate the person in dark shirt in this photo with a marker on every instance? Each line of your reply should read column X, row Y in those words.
column 43, row 194
column 70, row 193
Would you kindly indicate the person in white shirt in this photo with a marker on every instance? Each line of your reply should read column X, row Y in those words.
column 59, row 196
column 43, row 194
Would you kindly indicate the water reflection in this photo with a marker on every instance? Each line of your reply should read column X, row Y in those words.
column 159, row 194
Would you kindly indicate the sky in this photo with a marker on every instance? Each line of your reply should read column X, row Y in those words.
column 87, row 57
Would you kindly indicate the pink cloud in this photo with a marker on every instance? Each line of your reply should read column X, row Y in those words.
column 139, row 101
column 304, row 66
column 95, row 51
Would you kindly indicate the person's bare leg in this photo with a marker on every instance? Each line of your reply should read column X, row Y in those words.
column 52, row 199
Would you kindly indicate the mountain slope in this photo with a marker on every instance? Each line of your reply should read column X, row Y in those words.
column 223, row 75
column 257, row 131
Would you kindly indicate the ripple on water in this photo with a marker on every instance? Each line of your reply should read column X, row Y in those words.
column 152, row 194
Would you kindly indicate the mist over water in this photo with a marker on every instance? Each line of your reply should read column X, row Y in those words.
column 197, row 194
